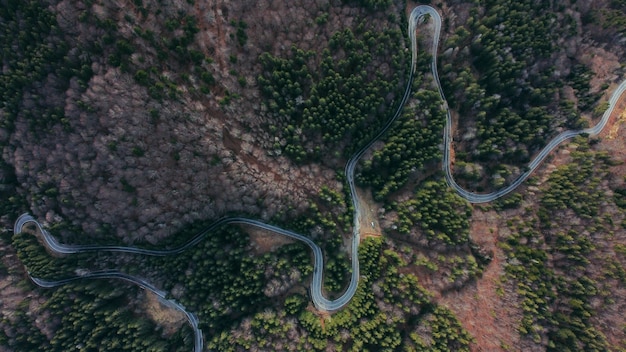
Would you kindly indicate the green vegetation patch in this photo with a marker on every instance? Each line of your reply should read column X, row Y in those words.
column 411, row 143
column 97, row 315
column 438, row 211
column 42, row 265
column 390, row 311
column 33, row 49
column 553, row 260
column 505, row 84
column 341, row 102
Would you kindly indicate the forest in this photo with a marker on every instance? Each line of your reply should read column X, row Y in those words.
column 505, row 77
column 509, row 77
column 340, row 103
column 228, row 292
column 554, row 257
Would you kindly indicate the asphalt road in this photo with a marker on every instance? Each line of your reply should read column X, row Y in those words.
column 420, row 13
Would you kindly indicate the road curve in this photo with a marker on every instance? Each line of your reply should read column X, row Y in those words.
column 320, row 302
column 418, row 13
column 112, row 274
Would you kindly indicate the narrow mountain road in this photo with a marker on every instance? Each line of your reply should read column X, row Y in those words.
column 420, row 13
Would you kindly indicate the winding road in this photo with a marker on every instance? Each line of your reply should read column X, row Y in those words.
column 420, row 13
column 191, row 318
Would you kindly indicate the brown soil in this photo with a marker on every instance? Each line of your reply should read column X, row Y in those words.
column 369, row 214
column 613, row 128
column 485, row 308
column 168, row 318
column 264, row 241
column 604, row 64
column 230, row 141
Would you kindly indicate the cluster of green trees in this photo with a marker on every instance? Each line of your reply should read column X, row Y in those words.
column 448, row 333
column 412, row 143
column 512, row 200
column 437, row 218
column 441, row 214
column 222, row 280
column 551, row 259
column 554, row 305
column 579, row 79
column 241, row 35
column 377, row 5
column 97, row 315
column 223, row 283
column 93, row 314
column 317, row 111
column 340, row 103
column 41, row 264
column 533, row 278
column 32, row 49
column 405, row 317
column 612, row 17
column 576, row 186
column 515, row 107
column 330, row 217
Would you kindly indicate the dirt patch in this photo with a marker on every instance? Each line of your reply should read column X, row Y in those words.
column 616, row 148
column 323, row 315
column 486, row 308
column 613, row 128
column 604, row 64
column 370, row 226
column 168, row 318
column 264, row 241
column 260, row 167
